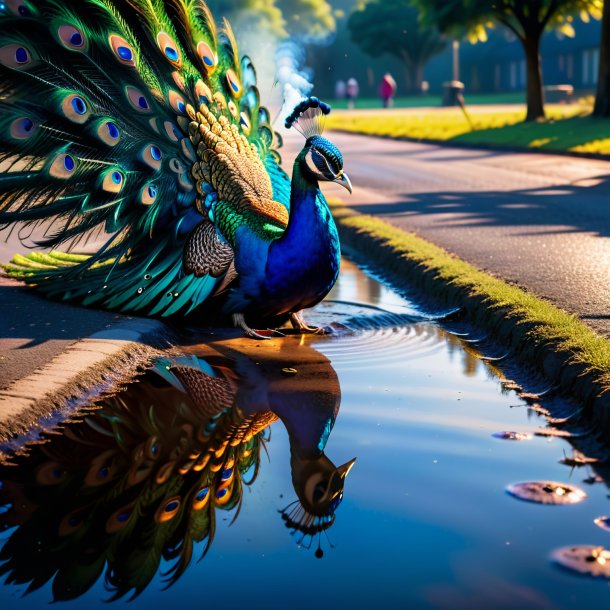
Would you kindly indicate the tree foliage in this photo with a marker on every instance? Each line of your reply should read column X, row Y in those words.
column 392, row 27
column 527, row 19
column 305, row 19
column 308, row 19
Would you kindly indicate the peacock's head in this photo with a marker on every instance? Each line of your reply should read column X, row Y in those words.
column 323, row 161
column 320, row 159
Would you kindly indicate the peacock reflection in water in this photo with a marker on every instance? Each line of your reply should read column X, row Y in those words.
column 138, row 480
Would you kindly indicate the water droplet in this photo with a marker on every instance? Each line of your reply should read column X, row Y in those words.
column 140, row 290
column 148, row 276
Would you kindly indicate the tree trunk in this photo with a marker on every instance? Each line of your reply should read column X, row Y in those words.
column 409, row 77
column 535, row 95
column 602, row 97
column 418, row 72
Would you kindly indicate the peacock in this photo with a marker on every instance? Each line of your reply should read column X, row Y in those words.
column 133, row 486
column 136, row 123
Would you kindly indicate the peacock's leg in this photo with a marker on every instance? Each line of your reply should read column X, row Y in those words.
column 240, row 322
column 297, row 321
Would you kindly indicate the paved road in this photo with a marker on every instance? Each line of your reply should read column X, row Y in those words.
column 541, row 221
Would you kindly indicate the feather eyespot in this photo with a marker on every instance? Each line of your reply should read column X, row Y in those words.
column 17, row 7
column 75, row 108
column 151, row 155
column 119, row 519
column 177, row 102
column 50, row 473
column 109, row 133
column 122, row 50
column 208, row 57
column 169, row 48
column 63, row 166
column 71, row 522
column 203, row 93
column 223, row 495
column 22, row 128
column 201, row 498
column 185, row 182
column 72, row 38
column 244, row 121
column 137, row 99
column 15, row 56
column 148, row 194
column 168, row 510
column 232, row 108
column 187, row 150
column 113, row 181
column 234, row 84
column 172, row 132
column 179, row 80
column 176, row 166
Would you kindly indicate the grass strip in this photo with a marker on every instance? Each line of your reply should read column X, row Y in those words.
column 562, row 347
column 568, row 128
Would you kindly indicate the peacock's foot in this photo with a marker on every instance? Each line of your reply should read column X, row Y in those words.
column 297, row 321
column 240, row 322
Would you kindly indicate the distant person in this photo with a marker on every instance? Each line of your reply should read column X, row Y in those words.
column 351, row 91
column 340, row 90
column 387, row 89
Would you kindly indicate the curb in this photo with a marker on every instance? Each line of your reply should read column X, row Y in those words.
column 81, row 373
column 392, row 250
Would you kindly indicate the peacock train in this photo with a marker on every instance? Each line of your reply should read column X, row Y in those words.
column 136, row 123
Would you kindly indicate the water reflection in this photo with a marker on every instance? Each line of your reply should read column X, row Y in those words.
column 139, row 480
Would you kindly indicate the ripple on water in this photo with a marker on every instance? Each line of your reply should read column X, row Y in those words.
column 366, row 336
column 383, row 347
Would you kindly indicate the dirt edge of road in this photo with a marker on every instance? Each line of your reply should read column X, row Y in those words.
column 76, row 377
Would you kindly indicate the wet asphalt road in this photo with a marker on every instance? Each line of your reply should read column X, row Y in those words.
column 540, row 221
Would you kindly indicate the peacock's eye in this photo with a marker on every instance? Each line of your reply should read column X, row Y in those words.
column 320, row 165
column 318, row 491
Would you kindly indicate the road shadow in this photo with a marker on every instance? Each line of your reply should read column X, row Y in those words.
column 569, row 208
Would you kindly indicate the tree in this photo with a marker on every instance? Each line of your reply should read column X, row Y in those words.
column 309, row 20
column 527, row 19
column 602, row 97
column 260, row 16
column 392, row 27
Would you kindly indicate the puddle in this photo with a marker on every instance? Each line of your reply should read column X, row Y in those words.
column 225, row 477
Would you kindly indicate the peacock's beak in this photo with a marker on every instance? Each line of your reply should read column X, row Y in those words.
column 343, row 470
column 344, row 181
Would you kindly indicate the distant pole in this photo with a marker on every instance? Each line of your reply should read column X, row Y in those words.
column 456, row 60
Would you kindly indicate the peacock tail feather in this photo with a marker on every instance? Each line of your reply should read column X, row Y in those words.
column 137, row 482
column 133, row 122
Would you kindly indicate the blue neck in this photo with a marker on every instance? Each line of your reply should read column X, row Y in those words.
column 303, row 264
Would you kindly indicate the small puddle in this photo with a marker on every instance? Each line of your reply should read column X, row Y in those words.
column 225, row 477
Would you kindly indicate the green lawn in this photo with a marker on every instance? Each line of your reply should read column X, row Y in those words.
column 567, row 127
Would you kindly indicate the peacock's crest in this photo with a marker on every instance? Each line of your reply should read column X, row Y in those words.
column 308, row 116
